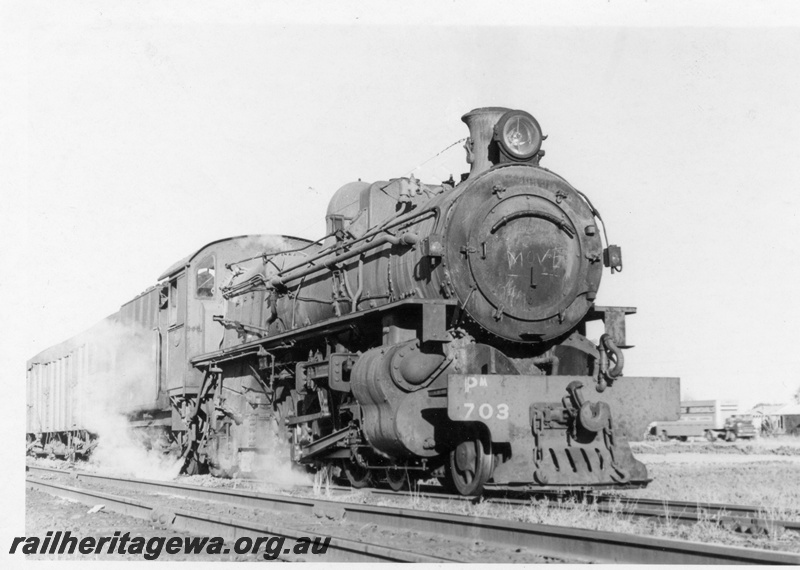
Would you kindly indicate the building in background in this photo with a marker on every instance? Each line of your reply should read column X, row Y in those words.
column 790, row 418
column 706, row 418
column 776, row 419
column 766, row 418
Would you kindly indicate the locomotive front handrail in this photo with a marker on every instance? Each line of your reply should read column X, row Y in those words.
column 379, row 240
column 308, row 266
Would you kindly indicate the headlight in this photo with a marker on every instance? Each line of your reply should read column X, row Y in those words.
column 519, row 135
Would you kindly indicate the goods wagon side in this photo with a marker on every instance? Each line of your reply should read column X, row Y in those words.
column 59, row 392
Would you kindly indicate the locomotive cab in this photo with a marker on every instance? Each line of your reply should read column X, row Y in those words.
column 190, row 319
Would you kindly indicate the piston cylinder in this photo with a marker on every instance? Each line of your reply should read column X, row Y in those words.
column 388, row 382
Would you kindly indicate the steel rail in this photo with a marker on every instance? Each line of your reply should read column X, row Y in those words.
column 738, row 518
column 339, row 549
column 546, row 540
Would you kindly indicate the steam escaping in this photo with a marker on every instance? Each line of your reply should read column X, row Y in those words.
column 123, row 388
column 121, row 453
column 108, row 382
column 267, row 243
column 273, row 466
column 123, row 383
column 254, row 269
column 263, row 244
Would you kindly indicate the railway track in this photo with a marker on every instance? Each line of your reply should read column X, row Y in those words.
column 340, row 549
column 738, row 518
column 560, row 543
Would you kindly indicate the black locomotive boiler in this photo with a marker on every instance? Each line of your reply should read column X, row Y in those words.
column 434, row 331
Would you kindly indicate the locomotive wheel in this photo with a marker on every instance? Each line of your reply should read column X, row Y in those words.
column 358, row 476
column 397, row 479
column 469, row 467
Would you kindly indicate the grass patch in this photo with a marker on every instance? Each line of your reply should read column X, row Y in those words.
column 772, row 486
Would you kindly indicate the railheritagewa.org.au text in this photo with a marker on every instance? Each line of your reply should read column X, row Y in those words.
column 269, row 547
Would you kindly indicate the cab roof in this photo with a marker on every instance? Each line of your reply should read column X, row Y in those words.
column 180, row 264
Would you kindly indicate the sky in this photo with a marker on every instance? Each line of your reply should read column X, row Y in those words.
column 142, row 131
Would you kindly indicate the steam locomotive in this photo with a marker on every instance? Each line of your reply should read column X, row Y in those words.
column 434, row 331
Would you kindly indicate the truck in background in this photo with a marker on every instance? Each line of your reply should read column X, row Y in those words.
column 706, row 418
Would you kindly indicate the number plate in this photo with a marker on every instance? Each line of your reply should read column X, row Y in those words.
column 635, row 402
column 487, row 399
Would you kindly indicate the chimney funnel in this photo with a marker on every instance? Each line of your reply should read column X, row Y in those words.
column 481, row 124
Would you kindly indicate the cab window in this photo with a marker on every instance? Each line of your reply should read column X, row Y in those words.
column 204, row 278
column 173, row 302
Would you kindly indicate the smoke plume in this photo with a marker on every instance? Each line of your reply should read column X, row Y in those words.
column 123, row 379
column 267, row 243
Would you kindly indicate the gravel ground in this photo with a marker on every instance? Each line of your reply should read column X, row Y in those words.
column 44, row 513
column 773, row 485
column 466, row 550
column 700, row 458
column 784, row 446
column 763, row 473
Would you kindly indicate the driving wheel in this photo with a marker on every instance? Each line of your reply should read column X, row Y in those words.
column 358, row 476
column 469, row 467
column 397, row 479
